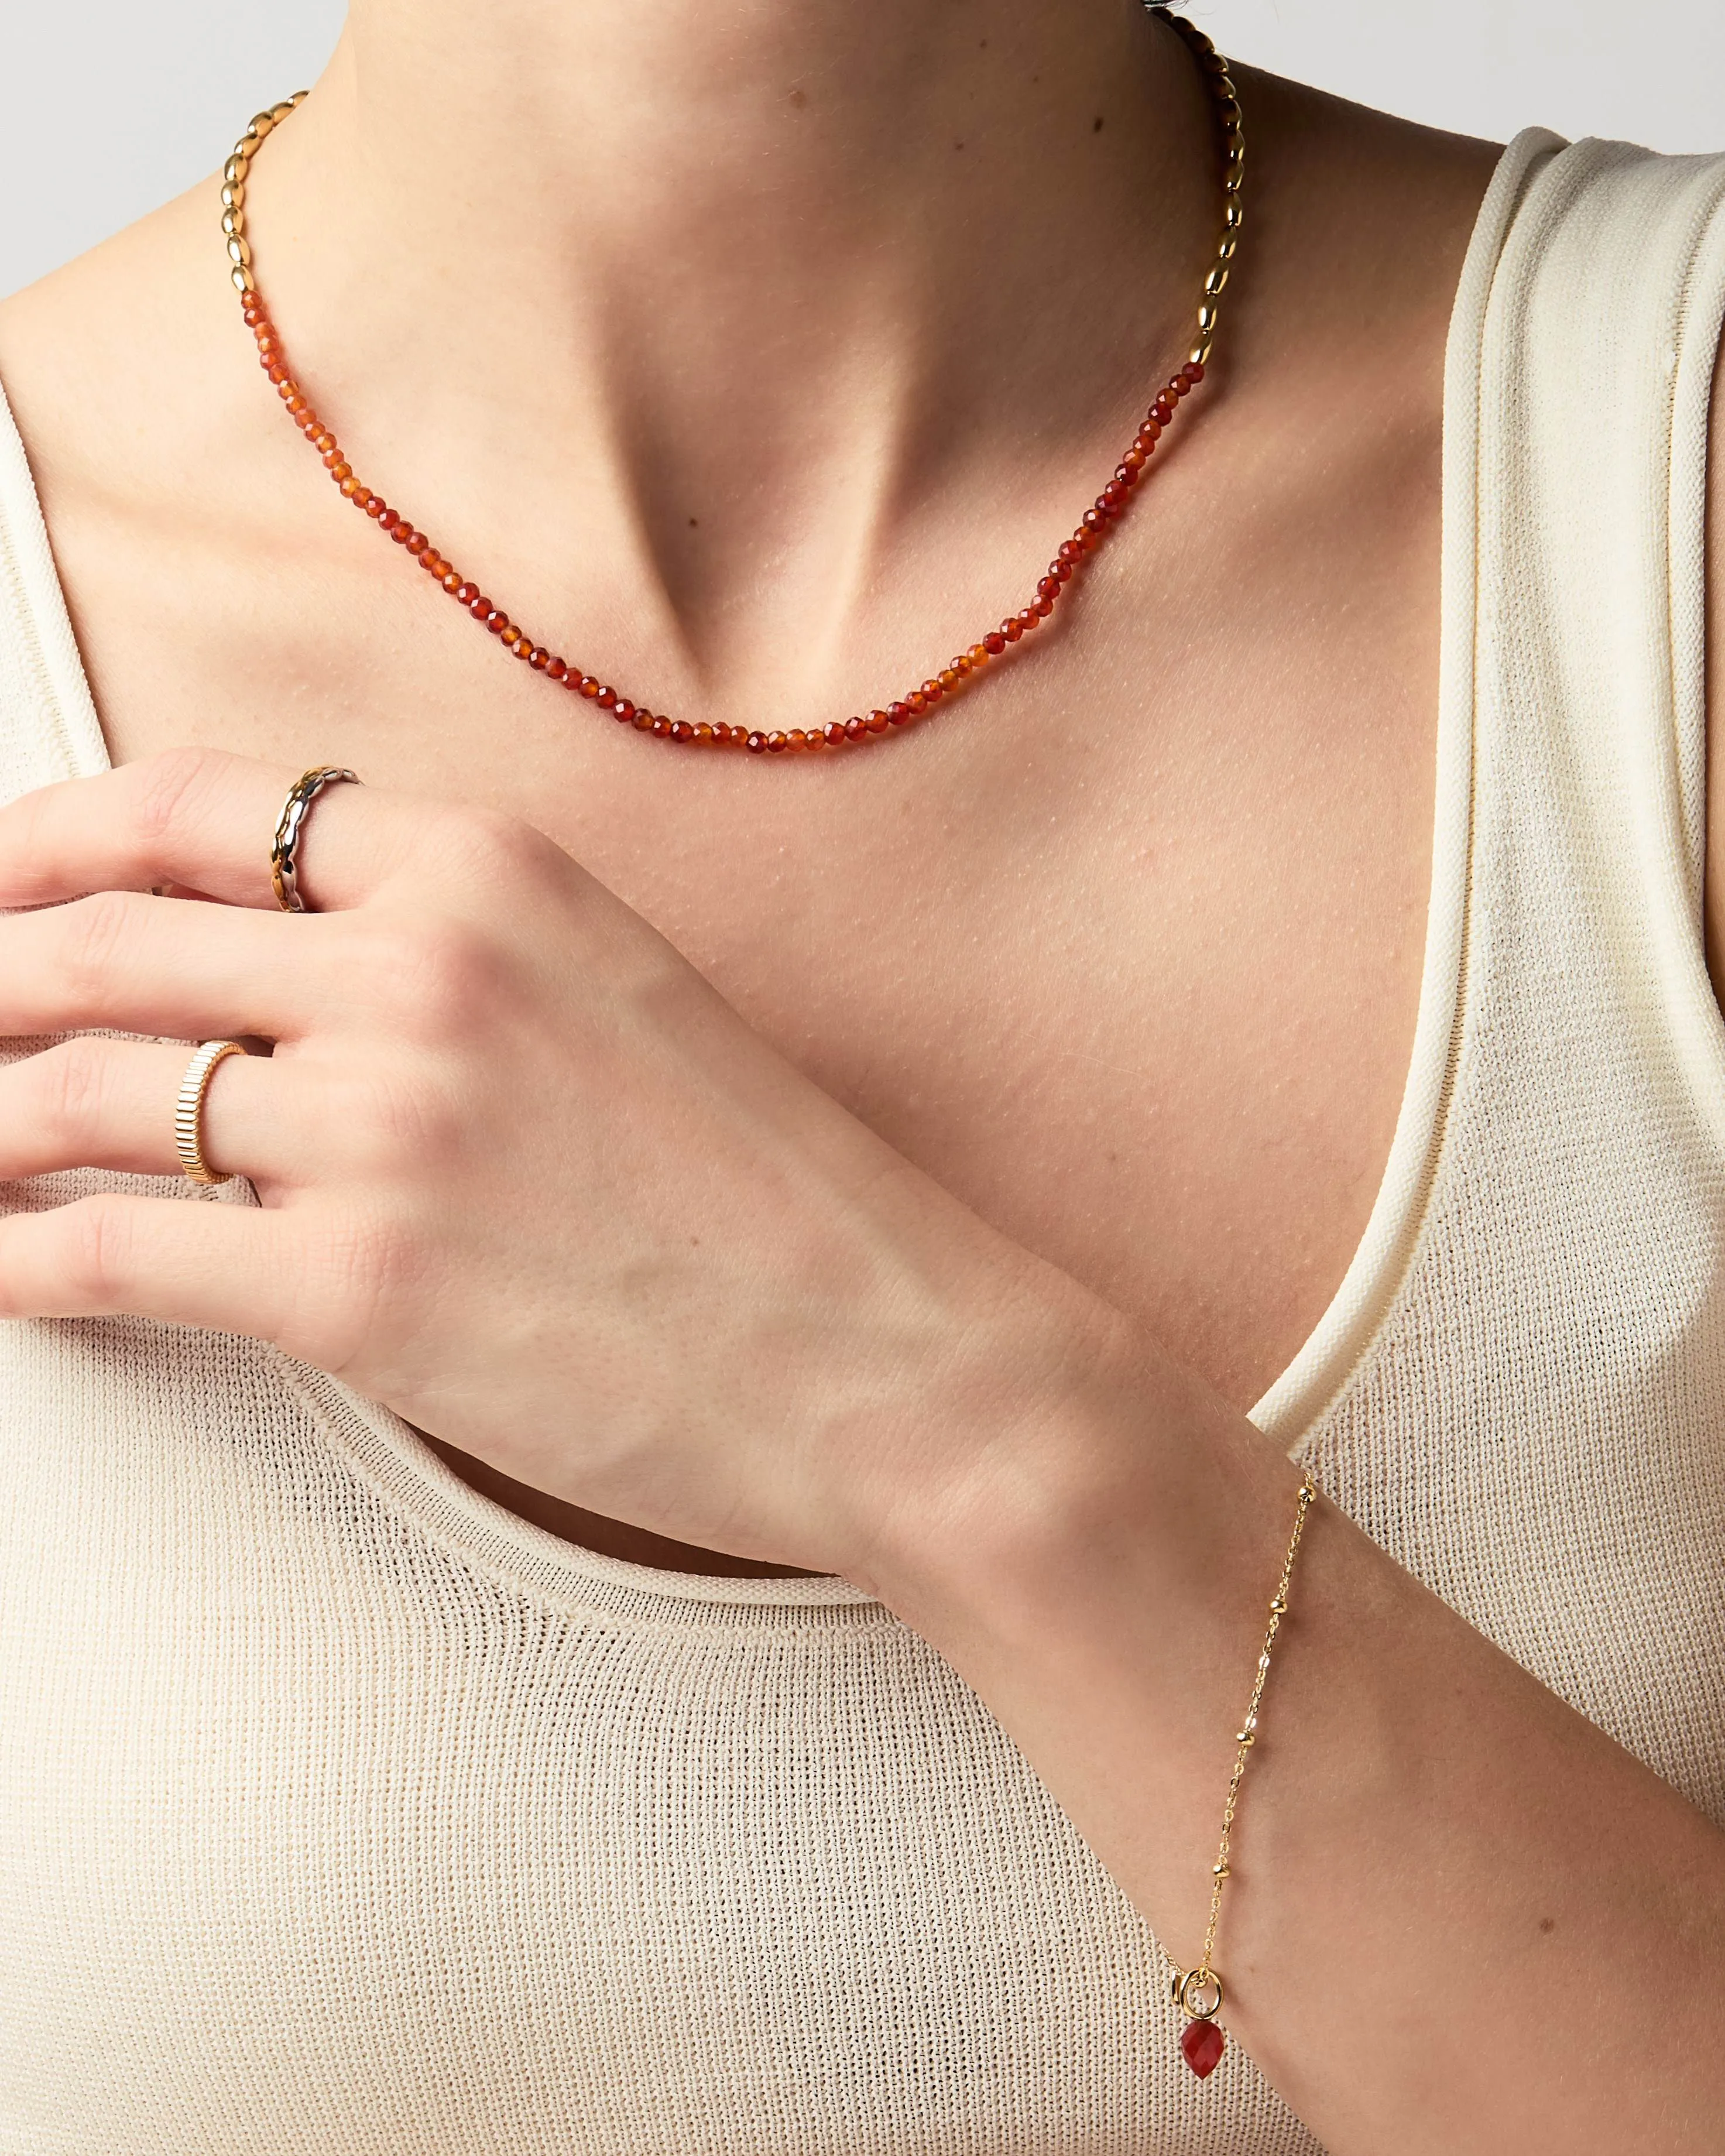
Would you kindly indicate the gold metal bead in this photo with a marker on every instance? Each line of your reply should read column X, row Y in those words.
column 262, row 122
column 243, row 280
column 236, row 168
column 299, row 97
column 234, row 194
column 239, row 251
column 1221, row 1871
column 1206, row 313
column 1217, row 279
column 280, row 112
column 1245, row 1737
column 233, row 223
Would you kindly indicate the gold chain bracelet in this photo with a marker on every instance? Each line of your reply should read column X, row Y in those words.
column 1197, row 1992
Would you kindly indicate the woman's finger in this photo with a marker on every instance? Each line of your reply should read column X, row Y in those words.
column 206, row 821
column 226, row 1267
column 95, row 1103
column 137, row 964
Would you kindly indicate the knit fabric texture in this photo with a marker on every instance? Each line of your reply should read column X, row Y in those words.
column 342, row 1814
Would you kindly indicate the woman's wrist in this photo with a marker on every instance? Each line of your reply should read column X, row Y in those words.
column 1110, row 1472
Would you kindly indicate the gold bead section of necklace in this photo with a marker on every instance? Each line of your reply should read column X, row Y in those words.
column 1198, row 1993
column 961, row 673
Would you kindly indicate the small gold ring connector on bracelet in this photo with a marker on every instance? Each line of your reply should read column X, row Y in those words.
column 284, row 852
column 188, row 1110
column 1197, row 1992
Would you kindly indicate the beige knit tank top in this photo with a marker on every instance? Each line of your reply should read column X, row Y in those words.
column 341, row 1814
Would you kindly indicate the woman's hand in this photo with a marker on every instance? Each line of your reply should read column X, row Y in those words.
column 524, row 1176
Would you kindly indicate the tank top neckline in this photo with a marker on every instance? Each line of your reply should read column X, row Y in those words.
column 394, row 1461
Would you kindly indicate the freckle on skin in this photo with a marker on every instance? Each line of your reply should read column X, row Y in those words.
column 800, row 98
column 1547, row 1923
column 693, row 521
column 1095, row 127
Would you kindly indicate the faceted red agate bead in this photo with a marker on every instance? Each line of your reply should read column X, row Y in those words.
column 994, row 643
column 1202, row 2045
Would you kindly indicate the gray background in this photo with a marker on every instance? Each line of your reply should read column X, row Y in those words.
column 108, row 107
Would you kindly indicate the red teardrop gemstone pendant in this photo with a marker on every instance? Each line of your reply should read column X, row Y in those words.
column 1202, row 2043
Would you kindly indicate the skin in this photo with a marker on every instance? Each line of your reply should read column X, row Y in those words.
column 875, row 1213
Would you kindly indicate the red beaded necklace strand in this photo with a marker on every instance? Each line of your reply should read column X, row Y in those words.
column 1097, row 521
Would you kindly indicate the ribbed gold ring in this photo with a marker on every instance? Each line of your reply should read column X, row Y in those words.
column 188, row 1109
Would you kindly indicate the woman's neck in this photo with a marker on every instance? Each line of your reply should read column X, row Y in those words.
column 751, row 284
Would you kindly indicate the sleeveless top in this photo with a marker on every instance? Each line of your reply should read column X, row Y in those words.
column 342, row 1814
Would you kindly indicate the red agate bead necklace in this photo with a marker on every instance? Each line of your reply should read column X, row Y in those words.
column 960, row 673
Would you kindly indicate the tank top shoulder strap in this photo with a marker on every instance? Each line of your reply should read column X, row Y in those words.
column 1595, row 365
column 1565, row 987
column 49, row 728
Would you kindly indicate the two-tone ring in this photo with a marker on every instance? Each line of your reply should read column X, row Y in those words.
column 285, row 853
